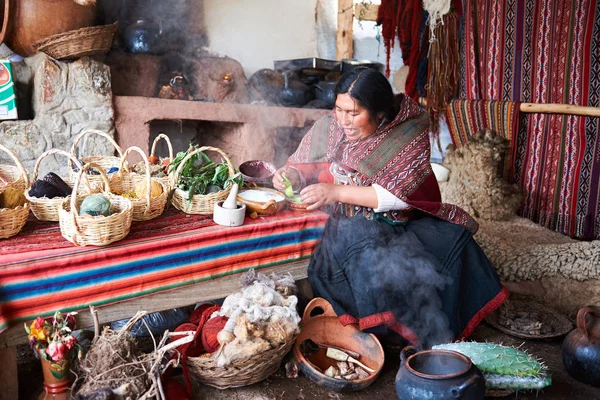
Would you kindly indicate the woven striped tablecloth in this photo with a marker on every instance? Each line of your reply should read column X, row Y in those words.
column 41, row 272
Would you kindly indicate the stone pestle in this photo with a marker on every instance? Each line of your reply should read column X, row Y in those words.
column 231, row 201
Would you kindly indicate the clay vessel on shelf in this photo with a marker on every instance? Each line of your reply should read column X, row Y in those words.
column 27, row 21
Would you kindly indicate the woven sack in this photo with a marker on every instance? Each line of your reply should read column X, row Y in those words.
column 103, row 162
column 149, row 207
column 200, row 203
column 99, row 230
column 12, row 220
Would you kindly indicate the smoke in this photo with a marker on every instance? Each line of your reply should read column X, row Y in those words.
column 399, row 275
column 179, row 24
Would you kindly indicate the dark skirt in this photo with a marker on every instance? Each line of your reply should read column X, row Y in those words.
column 427, row 279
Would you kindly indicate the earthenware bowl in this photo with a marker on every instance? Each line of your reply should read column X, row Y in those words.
column 322, row 326
column 262, row 200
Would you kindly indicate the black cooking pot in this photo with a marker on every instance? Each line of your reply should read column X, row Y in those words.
column 438, row 375
column 326, row 91
column 348, row 64
column 294, row 92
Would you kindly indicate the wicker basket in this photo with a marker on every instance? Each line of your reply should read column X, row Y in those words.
column 166, row 180
column 12, row 220
column 240, row 372
column 200, row 203
column 150, row 207
column 43, row 208
column 78, row 43
column 104, row 162
column 95, row 231
column 16, row 176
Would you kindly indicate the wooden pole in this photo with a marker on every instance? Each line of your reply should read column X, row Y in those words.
column 343, row 41
column 560, row 109
column 550, row 108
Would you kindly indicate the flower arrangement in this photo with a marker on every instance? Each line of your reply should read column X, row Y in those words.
column 53, row 338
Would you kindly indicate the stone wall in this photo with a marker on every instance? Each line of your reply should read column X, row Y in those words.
column 67, row 98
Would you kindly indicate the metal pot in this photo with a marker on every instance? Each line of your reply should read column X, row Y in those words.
column 348, row 64
column 143, row 36
column 438, row 375
column 581, row 347
column 326, row 91
column 294, row 92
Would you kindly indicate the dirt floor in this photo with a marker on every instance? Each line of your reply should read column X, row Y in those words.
column 279, row 387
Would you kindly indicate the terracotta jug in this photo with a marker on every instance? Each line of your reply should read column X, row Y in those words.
column 581, row 348
column 27, row 21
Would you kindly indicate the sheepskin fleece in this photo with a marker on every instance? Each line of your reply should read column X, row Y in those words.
column 563, row 294
column 522, row 250
column 475, row 183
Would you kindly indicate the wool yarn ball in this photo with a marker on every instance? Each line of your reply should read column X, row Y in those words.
column 141, row 189
column 94, row 205
column 12, row 198
column 194, row 347
column 211, row 329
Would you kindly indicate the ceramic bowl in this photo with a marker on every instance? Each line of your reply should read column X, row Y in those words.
column 262, row 200
column 258, row 172
column 294, row 206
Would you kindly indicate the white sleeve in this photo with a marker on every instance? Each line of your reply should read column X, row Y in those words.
column 386, row 201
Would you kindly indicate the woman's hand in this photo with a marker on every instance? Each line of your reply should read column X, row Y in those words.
column 291, row 173
column 319, row 194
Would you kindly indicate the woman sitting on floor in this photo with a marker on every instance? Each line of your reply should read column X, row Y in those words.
column 392, row 254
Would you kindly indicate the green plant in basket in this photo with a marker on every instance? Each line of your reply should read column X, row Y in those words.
column 52, row 338
column 200, row 175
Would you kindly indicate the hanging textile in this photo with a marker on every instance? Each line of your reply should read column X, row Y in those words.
column 543, row 52
column 442, row 68
column 405, row 21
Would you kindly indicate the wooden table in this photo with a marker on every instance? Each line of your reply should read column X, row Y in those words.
column 172, row 261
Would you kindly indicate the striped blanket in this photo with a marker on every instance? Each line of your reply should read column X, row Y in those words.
column 543, row 52
column 41, row 272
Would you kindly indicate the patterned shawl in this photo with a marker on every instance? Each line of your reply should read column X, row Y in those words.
column 396, row 157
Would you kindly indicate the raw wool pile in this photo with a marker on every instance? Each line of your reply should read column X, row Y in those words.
column 520, row 250
column 260, row 317
column 475, row 183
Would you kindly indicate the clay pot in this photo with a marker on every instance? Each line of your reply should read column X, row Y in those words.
column 438, row 375
column 56, row 378
column 326, row 328
column 27, row 21
column 262, row 201
column 581, row 347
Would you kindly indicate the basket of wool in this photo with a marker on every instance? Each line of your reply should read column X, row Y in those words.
column 14, row 208
column 247, row 338
column 475, row 183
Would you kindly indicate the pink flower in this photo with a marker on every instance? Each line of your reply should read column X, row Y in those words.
column 70, row 342
column 38, row 323
column 56, row 351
